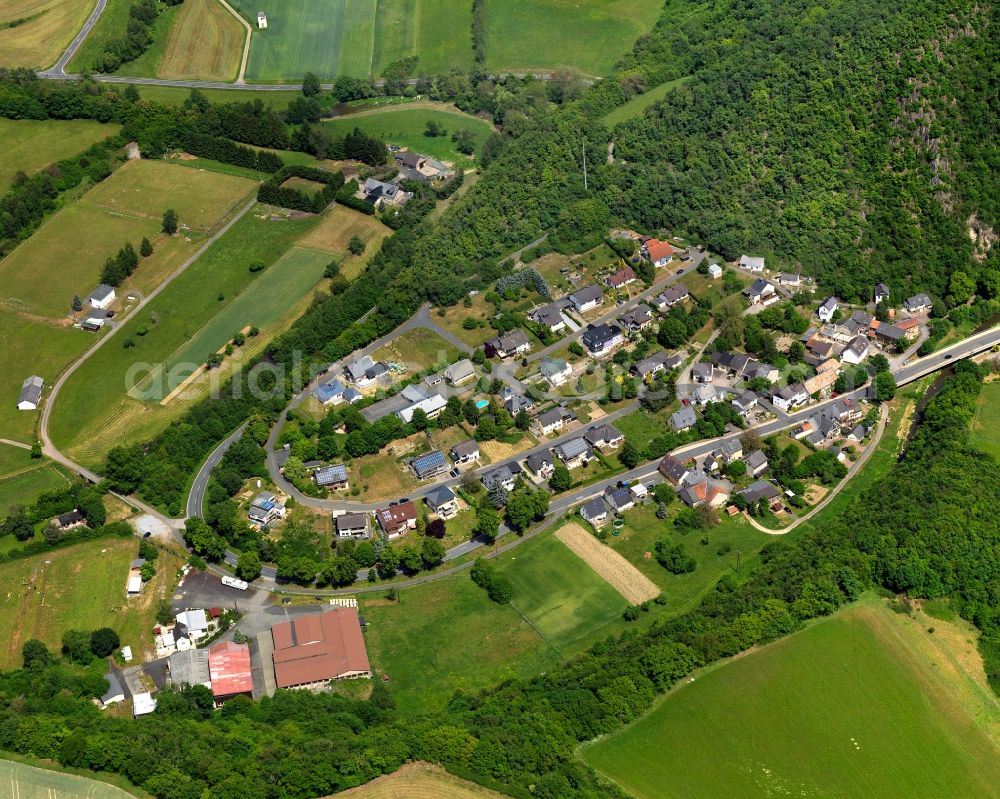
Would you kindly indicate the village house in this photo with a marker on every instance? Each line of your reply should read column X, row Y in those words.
column 266, row 508
column 758, row 291
column 602, row 339
column 726, row 453
column 856, row 351
column 351, row 525
column 573, row 453
column 910, row 327
column 503, row 476
column 31, row 393
column 432, row 407
column 604, row 437
column 540, row 464
column 790, row 279
column 752, row 263
column 714, row 271
column 552, row 420
column 619, row 498
column 587, row 298
column 671, row 297
column 364, row 371
column 101, row 297
column 555, row 371
column 703, row 372
column 379, row 194
column 397, row 519
column 890, row 336
column 790, row 397
column 460, row 372
column 332, row 477
column 683, row 419
column 621, row 278
column 704, row 491
column 594, row 511
column 707, row 393
column 465, row 452
column 514, row 403
column 658, row 253
column 549, row 316
column 421, row 168
column 826, row 311
column 673, row 470
column 918, row 303
column 762, row 490
column 819, row 383
column 443, row 502
column 330, row 393
column 756, row 463
column 655, row 363
column 509, row 345
column 881, row 292
column 639, row 318
column 70, row 521
column 429, row 465
column 745, row 402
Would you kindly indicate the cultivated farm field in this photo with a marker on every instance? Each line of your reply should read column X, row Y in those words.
column 30, row 145
column 590, row 35
column 419, row 781
column 125, row 207
column 844, row 708
column 87, row 430
column 335, row 230
column 404, row 125
column 79, row 587
column 608, row 564
column 47, row 27
column 205, row 43
column 28, row 782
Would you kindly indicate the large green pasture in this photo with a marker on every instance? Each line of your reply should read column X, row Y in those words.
column 560, row 595
column 843, row 709
column 439, row 32
column 64, row 257
column 405, row 126
column 986, row 424
column 30, row 145
column 29, row 347
column 447, row 635
column 87, row 429
column 21, row 486
column 325, row 37
column 546, row 34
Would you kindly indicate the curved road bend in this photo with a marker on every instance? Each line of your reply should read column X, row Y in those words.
column 58, row 70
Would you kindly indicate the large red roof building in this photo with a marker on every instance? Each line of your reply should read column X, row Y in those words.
column 312, row 650
column 229, row 669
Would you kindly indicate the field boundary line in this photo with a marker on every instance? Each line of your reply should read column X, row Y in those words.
column 532, row 625
column 246, row 41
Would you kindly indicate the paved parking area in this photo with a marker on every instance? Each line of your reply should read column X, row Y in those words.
column 205, row 590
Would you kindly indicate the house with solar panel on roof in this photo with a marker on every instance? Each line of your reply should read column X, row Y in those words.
column 429, row 465
column 332, row 477
column 266, row 508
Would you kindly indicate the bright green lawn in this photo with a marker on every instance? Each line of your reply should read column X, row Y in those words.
column 24, row 485
column 31, row 348
column 683, row 591
column 565, row 600
column 841, row 709
column 405, row 127
column 30, row 145
column 986, row 425
column 638, row 104
column 544, row 34
column 445, row 636
column 438, row 31
column 86, row 428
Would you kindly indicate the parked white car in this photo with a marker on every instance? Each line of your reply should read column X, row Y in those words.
column 232, row 582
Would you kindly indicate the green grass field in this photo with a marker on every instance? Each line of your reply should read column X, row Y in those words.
column 560, row 595
column 87, row 429
column 637, row 105
column 843, row 708
column 30, row 145
column 80, row 587
column 110, row 25
column 23, row 486
column 405, row 126
column 262, row 304
column 28, row 782
column 439, row 32
column 986, row 424
column 148, row 63
column 445, row 636
column 545, row 34
column 125, row 207
column 176, row 95
column 30, row 347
